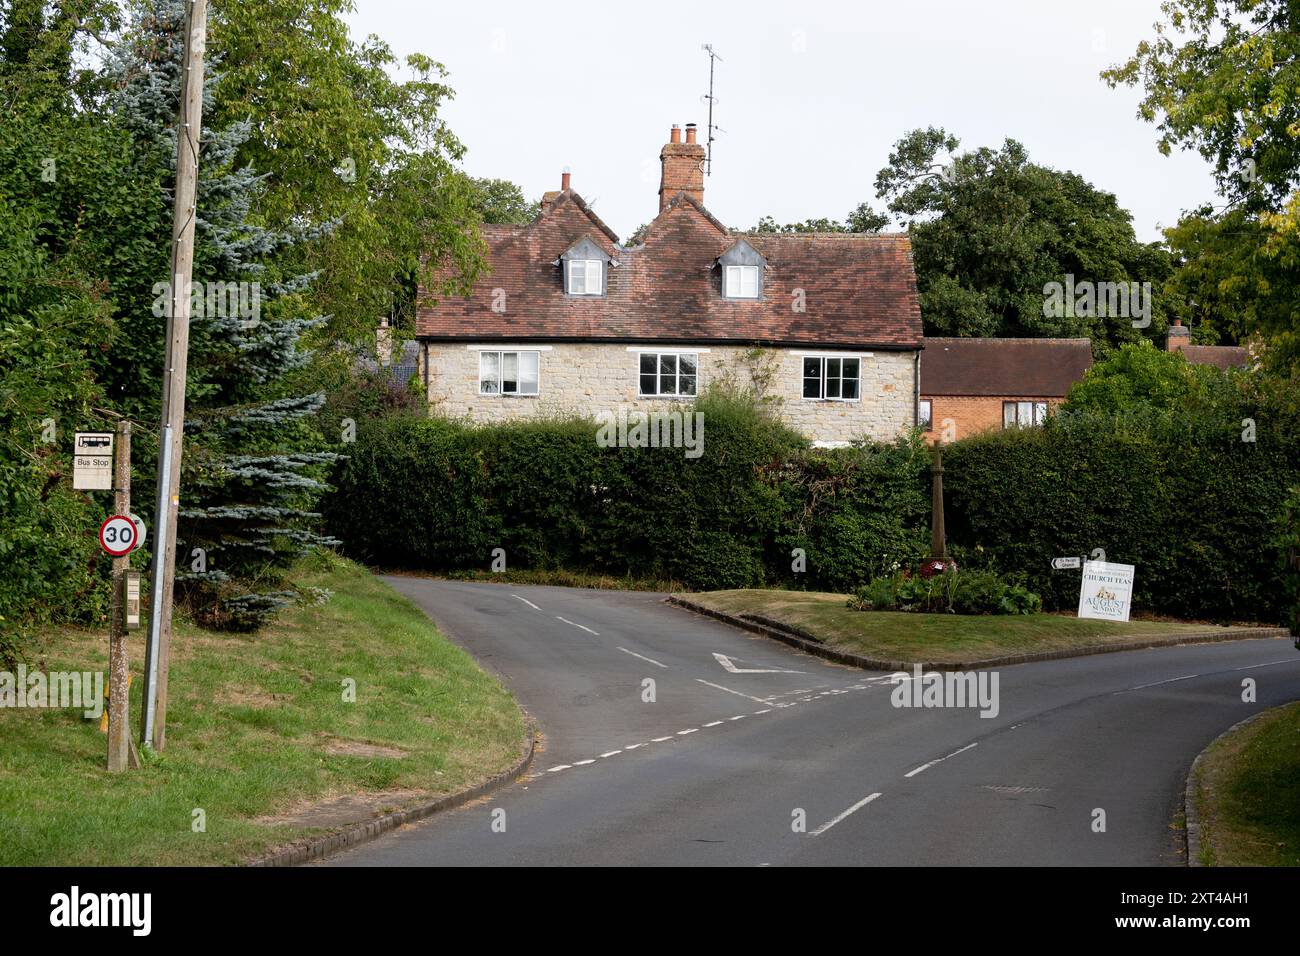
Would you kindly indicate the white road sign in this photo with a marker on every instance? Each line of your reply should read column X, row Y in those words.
column 92, row 461
column 1062, row 564
column 1106, row 591
column 117, row 535
column 141, row 532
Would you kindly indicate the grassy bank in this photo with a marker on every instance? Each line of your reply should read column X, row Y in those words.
column 951, row 638
column 1248, row 793
column 260, row 737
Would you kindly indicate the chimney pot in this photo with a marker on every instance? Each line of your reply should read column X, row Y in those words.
column 682, row 167
column 564, row 182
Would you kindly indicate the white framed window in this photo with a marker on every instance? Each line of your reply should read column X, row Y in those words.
column 924, row 414
column 586, row 277
column 667, row 374
column 741, row 282
column 1023, row 414
column 831, row 379
column 508, row 373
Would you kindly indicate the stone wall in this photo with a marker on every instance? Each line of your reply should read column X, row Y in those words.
column 589, row 378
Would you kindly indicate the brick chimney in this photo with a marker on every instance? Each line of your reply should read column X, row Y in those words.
column 548, row 198
column 683, row 167
column 1178, row 336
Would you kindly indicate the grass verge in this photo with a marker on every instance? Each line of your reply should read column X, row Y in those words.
column 941, row 638
column 1247, row 793
column 259, row 735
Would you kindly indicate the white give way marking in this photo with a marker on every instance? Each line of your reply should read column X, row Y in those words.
column 729, row 665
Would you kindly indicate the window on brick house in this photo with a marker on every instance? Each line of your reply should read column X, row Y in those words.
column 831, row 379
column 667, row 374
column 1023, row 414
column 508, row 373
column 923, row 415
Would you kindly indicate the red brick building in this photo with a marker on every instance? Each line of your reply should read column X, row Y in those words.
column 973, row 385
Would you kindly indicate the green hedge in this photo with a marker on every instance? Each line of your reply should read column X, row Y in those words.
column 1180, row 496
column 438, row 495
column 1177, row 493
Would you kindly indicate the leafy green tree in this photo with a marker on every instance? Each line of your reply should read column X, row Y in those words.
column 991, row 230
column 1223, row 78
column 501, row 202
column 253, row 465
column 362, row 157
column 1140, row 375
column 862, row 219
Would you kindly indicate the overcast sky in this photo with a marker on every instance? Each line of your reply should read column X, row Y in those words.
column 811, row 95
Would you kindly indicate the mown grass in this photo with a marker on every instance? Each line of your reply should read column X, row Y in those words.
column 1248, row 793
column 251, row 725
column 939, row 638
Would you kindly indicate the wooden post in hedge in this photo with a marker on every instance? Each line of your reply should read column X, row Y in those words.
column 938, row 539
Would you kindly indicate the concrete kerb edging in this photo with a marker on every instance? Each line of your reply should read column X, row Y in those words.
column 802, row 641
column 357, row 834
column 1191, row 816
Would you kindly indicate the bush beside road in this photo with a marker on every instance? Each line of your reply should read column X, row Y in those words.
column 260, row 737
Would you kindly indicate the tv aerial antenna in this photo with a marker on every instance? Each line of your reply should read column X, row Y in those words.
column 711, row 100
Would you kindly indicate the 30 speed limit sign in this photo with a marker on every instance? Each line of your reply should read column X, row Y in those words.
column 118, row 535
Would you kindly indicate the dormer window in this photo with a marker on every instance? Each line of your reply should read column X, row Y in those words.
column 586, row 277
column 741, row 282
column 584, row 265
column 742, row 272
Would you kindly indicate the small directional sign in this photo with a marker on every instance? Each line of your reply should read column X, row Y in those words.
column 92, row 461
column 1062, row 564
column 117, row 535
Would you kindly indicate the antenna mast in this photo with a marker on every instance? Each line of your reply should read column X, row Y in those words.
column 710, row 99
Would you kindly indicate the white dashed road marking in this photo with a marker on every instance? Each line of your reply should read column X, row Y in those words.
column 927, row 766
column 635, row 654
column 760, row 700
column 575, row 624
column 526, row 601
column 853, row 809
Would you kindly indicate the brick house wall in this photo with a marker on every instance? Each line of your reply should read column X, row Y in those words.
column 954, row 417
column 584, row 379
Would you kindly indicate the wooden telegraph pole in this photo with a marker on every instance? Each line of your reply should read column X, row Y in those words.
column 119, row 735
column 158, row 649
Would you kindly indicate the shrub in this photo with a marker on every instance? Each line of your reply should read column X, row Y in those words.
column 960, row 592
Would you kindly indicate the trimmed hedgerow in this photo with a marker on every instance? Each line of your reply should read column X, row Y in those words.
column 1179, row 495
column 442, row 496
column 1175, row 491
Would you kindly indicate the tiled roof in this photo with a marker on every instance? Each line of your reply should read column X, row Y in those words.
column 1220, row 356
column 1020, row 368
column 858, row 290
